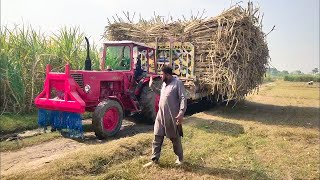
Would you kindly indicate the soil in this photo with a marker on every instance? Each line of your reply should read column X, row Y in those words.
column 33, row 157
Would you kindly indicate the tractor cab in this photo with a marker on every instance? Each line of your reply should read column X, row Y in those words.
column 128, row 56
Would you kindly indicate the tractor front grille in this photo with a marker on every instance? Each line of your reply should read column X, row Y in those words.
column 79, row 79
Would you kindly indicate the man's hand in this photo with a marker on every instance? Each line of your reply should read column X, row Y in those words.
column 150, row 81
column 179, row 119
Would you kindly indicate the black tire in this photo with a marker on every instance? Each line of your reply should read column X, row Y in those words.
column 98, row 119
column 147, row 102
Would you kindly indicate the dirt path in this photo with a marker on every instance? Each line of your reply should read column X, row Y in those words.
column 38, row 155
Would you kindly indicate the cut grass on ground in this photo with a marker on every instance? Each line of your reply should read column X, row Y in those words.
column 29, row 141
column 290, row 90
column 12, row 123
column 256, row 140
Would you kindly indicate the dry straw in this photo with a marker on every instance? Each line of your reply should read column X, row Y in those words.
column 231, row 53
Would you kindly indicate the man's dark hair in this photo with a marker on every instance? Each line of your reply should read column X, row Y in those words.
column 167, row 69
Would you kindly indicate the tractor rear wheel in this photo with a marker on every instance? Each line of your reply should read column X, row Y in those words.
column 149, row 101
column 107, row 118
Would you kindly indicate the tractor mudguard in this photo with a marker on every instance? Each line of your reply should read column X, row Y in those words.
column 144, row 82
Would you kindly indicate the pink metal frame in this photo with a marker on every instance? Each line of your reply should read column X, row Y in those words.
column 71, row 101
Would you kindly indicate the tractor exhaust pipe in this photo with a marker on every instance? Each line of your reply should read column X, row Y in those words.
column 87, row 65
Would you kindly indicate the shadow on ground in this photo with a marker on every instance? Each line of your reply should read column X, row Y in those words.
column 129, row 128
column 271, row 114
column 199, row 107
column 134, row 125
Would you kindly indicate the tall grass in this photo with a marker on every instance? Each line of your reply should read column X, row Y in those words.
column 24, row 53
column 302, row 78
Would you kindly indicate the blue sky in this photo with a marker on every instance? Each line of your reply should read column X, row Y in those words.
column 294, row 45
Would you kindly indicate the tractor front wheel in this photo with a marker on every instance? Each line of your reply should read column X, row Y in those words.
column 107, row 119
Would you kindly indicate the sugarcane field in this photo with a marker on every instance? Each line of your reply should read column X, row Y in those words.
column 159, row 89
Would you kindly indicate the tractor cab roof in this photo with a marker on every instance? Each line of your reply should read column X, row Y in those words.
column 122, row 43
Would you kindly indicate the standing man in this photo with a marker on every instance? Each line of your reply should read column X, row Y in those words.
column 172, row 106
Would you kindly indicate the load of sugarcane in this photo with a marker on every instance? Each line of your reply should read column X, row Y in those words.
column 231, row 52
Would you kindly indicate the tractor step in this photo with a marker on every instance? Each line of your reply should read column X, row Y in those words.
column 134, row 101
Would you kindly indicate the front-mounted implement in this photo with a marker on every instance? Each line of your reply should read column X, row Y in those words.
column 60, row 104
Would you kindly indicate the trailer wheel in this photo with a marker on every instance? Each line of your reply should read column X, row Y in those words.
column 149, row 101
column 107, row 119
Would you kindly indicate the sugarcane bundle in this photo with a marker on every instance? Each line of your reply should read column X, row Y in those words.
column 231, row 53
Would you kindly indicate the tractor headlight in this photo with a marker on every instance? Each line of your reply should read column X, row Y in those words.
column 87, row 88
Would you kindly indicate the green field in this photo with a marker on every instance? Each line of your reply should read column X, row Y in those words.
column 273, row 135
column 16, row 123
column 302, row 78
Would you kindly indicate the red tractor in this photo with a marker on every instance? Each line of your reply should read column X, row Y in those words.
column 119, row 88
